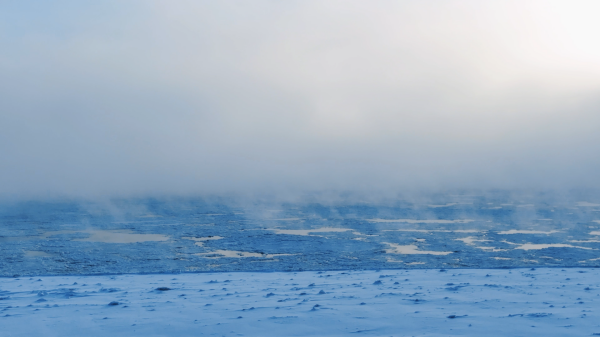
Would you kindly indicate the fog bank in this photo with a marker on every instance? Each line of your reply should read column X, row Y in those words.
column 157, row 97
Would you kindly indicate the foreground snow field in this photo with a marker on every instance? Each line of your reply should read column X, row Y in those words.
column 433, row 302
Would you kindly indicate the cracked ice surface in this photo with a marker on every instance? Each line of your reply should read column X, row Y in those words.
column 197, row 235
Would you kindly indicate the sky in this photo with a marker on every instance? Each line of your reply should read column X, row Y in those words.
column 191, row 97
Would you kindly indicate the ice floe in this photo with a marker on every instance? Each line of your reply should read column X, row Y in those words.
column 120, row 236
column 532, row 246
column 236, row 254
column 470, row 240
column 36, row 253
column 410, row 250
column 446, row 205
column 523, row 231
column 200, row 241
column 306, row 232
column 587, row 204
column 433, row 230
column 414, row 221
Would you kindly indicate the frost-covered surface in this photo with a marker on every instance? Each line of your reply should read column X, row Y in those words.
column 254, row 259
column 191, row 235
column 461, row 302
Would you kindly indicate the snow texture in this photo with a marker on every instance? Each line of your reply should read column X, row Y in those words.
column 458, row 302
column 186, row 267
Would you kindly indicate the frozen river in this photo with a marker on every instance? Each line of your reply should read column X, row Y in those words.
column 452, row 265
column 195, row 235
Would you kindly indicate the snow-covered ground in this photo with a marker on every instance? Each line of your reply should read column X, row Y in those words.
column 432, row 302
